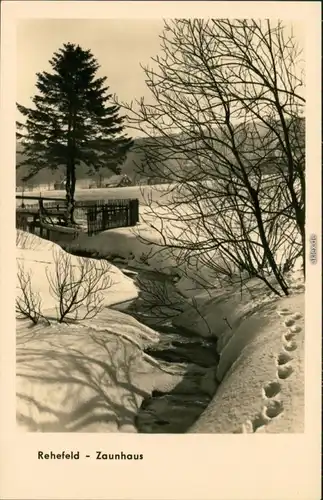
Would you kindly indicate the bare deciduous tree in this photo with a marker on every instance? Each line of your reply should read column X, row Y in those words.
column 78, row 288
column 227, row 133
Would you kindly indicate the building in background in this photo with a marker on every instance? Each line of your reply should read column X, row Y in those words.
column 121, row 180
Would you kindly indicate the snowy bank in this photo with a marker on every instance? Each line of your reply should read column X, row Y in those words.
column 90, row 376
column 76, row 378
column 36, row 256
column 261, row 370
column 126, row 244
column 216, row 312
column 100, row 368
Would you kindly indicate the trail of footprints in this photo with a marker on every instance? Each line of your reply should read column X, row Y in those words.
column 273, row 405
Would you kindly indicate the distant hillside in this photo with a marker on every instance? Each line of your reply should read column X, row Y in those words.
column 49, row 176
column 134, row 167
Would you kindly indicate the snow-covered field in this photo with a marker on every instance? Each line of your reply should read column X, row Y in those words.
column 143, row 193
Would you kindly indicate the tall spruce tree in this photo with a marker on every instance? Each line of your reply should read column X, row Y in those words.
column 71, row 121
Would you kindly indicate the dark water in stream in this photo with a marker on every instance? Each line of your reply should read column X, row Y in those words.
column 172, row 411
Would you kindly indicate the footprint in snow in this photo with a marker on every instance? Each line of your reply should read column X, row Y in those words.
column 271, row 389
column 247, row 427
column 284, row 371
column 284, row 312
column 295, row 329
column 283, row 358
column 289, row 322
column 260, row 420
column 287, row 337
column 273, row 408
column 290, row 346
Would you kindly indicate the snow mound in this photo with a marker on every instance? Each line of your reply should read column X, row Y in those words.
column 217, row 312
column 76, row 378
column 36, row 256
column 139, row 247
column 262, row 374
column 80, row 378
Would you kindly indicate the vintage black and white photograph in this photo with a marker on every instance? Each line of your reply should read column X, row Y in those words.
column 160, row 225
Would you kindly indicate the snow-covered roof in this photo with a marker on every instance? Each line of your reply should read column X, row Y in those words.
column 116, row 179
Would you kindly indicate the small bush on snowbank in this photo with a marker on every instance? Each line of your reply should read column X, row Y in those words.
column 28, row 304
column 78, row 289
column 77, row 285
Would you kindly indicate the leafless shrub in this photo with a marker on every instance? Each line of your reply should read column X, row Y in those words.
column 79, row 289
column 28, row 302
column 227, row 134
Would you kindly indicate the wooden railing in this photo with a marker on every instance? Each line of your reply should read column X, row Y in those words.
column 99, row 215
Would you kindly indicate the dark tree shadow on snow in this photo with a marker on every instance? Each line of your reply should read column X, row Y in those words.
column 99, row 386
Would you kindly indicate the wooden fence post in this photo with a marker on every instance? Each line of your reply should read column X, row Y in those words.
column 41, row 206
column 88, row 219
column 104, row 217
column 134, row 212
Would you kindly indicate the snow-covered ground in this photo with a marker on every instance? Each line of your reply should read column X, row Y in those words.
column 240, row 319
column 90, row 376
column 261, row 370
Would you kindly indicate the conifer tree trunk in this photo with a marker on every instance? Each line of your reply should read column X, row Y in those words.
column 68, row 196
column 72, row 193
column 70, row 170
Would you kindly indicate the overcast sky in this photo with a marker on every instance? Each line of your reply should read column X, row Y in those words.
column 118, row 45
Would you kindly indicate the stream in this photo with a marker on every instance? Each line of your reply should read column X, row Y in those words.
column 158, row 301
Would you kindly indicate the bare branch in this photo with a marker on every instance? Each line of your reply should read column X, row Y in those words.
column 79, row 289
column 28, row 302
